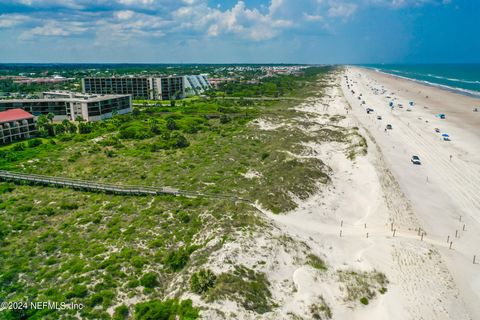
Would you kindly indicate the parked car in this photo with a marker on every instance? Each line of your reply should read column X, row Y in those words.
column 389, row 127
column 416, row 160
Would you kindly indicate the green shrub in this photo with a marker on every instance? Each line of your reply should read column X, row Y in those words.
column 249, row 288
column 68, row 206
column 364, row 300
column 138, row 262
column 202, row 280
column 184, row 217
column 176, row 260
column 34, row 143
column 121, row 312
column 19, row 147
column 316, row 262
column 6, row 187
column 135, row 130
column 225, row 119
column 171, row 124
column 167, row 310
column 78, row 291
column 149, row 280
column 47, row 211
column 109, row 153
column 104, row 298
column 25, row 208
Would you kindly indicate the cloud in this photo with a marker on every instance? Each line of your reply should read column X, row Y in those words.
column 110, row 20
column 341, row 10
column 239, row 20
column 11, row 20
column 397, row 4
column 312, row 17
column 54, row 28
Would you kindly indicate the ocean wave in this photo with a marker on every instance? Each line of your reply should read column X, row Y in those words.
column 411, row 74
column 434, row 84
column 453, row 79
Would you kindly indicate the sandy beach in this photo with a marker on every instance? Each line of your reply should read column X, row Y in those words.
column 380, row 211
column 443, row 191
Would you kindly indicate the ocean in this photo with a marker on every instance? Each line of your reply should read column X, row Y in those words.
column 463, row 78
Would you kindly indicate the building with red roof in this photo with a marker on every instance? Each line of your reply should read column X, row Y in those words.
column 16, row 124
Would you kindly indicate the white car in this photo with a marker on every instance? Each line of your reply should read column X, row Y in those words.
column 416, row 160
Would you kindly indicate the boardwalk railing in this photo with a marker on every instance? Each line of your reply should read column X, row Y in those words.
column 107, row 188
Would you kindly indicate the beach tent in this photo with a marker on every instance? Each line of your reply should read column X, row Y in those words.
column 441, row 115
column 445, row 135
column 411, row 103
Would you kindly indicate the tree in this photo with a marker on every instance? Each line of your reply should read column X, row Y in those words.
column 45, row 128
column 50, row 117
column 70, row 127
column 85, row 127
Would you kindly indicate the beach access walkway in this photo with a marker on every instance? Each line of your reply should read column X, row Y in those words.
column 127, row 190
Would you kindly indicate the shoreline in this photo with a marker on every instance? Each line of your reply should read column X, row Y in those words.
column 443, row 190
column 457, row 90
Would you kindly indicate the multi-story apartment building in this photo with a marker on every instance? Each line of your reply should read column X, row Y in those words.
column 148, row 88
column 137, row 87
column 16, row 124
column 72, row 106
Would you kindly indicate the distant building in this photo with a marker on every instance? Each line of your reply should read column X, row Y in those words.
column 216, row 82
column 137, row 87
column 29, row 80
column 16, row 124
column 71, row 105
column 196, row 84
column 148, row 88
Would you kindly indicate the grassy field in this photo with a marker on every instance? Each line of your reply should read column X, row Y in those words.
column 121, row 254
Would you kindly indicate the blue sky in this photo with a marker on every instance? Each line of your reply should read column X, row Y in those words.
column 232, row 31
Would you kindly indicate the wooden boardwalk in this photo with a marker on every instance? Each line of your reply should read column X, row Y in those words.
column 107, row 188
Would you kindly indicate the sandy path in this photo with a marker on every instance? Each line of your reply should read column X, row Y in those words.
column 445, row 194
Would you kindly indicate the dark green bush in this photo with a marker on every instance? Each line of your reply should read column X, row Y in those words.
column 19, row 147
column 166, row 310
column 121, row 312
column 6, row 187
column 177, row 259
column 171, row 124
column 78, row 291
column 68, row 206
column 202, row 280
column 34, row 143
column 149, row 280
column 184, row 217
